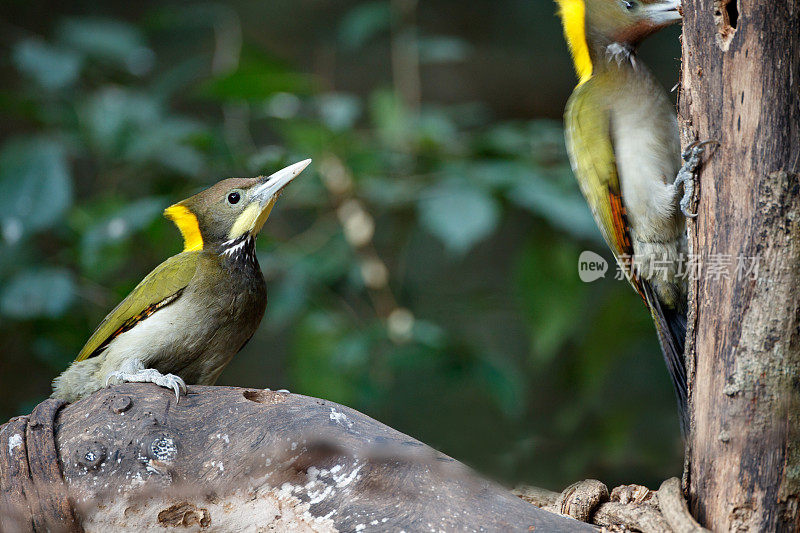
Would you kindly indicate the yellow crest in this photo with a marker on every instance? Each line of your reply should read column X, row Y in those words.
column 573, row 19
column 187, row 223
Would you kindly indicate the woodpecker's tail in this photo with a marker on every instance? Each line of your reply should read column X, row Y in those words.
column 671, row 326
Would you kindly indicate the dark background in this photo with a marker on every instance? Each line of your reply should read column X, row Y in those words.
column 423, row 270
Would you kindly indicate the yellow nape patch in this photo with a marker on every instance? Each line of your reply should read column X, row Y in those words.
column 187, row 223
column 573, row 18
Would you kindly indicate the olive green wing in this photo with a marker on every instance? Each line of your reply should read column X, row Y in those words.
column 159, row 288
column 591, row 151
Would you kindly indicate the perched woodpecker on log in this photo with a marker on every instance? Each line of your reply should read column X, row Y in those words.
column 186, row 320
column 623, row 143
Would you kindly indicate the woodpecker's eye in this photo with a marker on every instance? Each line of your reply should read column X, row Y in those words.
column 233, row 198
column 628, row 5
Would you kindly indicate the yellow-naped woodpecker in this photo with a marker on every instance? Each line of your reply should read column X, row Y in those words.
column 623, row 143
column 186, row 320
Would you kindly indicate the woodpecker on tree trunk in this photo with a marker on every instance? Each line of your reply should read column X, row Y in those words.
column 623, row 143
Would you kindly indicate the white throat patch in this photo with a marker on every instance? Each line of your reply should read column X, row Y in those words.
column 240, row 248
column 620, row 53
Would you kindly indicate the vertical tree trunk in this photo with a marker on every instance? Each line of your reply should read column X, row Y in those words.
column 741, row 87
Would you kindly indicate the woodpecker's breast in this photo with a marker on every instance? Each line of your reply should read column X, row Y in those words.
column 228, row 298
column 647, row 151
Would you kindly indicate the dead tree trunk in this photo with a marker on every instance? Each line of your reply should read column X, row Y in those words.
column 741, row 87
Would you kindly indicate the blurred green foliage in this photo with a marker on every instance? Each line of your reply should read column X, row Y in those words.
column 423, row 270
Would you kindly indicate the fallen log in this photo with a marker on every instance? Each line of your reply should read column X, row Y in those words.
column 129, row 458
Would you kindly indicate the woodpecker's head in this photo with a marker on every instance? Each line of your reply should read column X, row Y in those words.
column 589, row 24
column 629, row 21
column 229, row 210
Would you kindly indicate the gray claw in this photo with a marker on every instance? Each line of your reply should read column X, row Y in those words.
column 685, row 208
column 687, row 178
column 696, row 149
column 687, row 174
column 687, row 154
column 175, row 383
column 151, row 375
column 113, row 375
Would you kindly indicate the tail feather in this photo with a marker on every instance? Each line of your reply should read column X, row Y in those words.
column 671, row 327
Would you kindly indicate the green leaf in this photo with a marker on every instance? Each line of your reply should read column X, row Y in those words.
column 313, row 370
column 51, row 352
column 14, row 255
column 566, row 210
column 266, row 159
column 51, row 67
column 442, row 49
column 504, row 383
column 253, row 85
column 494, row 174
column 458, row 214
column 113, row 117
column 109, row 40
column 35, row 186
column 287, row 299
column 257, row 77
column 122, row 124
column 551, row 292
column 283, row 105
column 46, row 292
column 364, row 22
column 428, row 333
column 387, row 192
column 391, row 118
column 339, row 112
column 435, row 129
column 165, row 142
column 507, row 139
column 546, row 138
column 118, row 227
column 543, row 139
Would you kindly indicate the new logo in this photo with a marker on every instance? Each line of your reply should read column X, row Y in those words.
column 591, row 266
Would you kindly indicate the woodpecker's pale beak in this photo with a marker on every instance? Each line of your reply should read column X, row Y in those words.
column 272, row 185
column 662, row 13
column 263, row 197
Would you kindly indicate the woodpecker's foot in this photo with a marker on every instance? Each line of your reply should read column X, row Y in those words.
column 687, row 175
column 149, row 375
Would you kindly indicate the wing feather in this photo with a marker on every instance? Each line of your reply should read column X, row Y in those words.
column 159, row 288
column 591, row 151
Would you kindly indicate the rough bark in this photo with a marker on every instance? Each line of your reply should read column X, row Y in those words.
column 741, row 87
column 128, row 458
column 627, row 508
